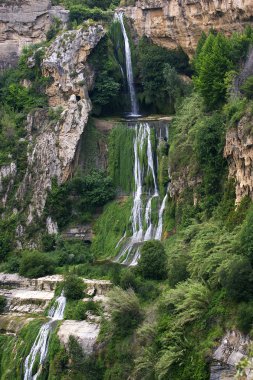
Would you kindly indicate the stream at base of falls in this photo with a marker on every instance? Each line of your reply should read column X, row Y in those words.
column 146, row 193
column 39, row 349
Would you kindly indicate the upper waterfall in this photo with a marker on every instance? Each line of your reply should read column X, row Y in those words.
column 129, row 67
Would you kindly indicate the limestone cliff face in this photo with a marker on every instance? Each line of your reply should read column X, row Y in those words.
column 53, row 143
column 239, row 153
column 180, row 22
column 232, row 351
column 24, row 22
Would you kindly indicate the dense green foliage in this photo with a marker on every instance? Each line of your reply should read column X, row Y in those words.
column 73, row 287
column 110, row 228
column 216, row 57
column 158, row 71
column 77, row 198
column 36, row 264
column 153, row 261
column 121, row 157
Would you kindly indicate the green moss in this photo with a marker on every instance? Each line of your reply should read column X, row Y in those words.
column 110, row 227
column 121, row 158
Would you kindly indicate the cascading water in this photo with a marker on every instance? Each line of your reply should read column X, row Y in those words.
column 40, row 346
column 143, row 227
column 129, row 67
column 159, row 231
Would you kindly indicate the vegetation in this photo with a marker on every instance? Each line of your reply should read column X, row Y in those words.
column 158, row 71
column 73, row 287
column 153, row 261
column 2, row 303
column 168, row 312
column 36, row 264
column 79, row 197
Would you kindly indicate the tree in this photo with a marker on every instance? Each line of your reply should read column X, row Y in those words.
column 212, row 64
column 74, row 287
column 153, row 260
column 173, row 84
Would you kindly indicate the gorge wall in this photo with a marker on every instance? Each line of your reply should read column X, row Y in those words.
column 24, row 22
column 170, row 23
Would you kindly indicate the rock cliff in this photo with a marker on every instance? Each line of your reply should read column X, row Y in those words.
column 24, row 22
column 239, row 153
column 232, row 351
column 180, row 22
column 53, row 140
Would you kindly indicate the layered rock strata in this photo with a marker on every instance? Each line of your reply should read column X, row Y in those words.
column 180, row 22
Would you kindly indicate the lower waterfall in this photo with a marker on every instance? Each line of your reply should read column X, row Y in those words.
column 40, row 346
column 146, row 191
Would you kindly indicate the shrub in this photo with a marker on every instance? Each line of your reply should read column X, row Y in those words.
column 77, row 310
column 36, row 264
column 2, row 303
column 48, row 242
column 247, row 87
column 125, row 310
column 153, row 260
column 177, row 268
column 74, row 287
column 246, row 236
column 236, row 277
column 128, row 280
column 245, row 317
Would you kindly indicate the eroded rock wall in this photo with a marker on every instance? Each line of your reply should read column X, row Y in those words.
column 239, row 153
column 24, row 22
column 180, row 22
column 53, row 143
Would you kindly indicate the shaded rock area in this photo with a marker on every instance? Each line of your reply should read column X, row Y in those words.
column 232, row 349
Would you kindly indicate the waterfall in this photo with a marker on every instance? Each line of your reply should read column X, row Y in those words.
column 40, row 346
column 143, row 228
column 129, row 67
column 159, row 230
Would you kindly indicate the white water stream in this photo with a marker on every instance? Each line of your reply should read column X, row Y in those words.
column 40, row 346
column 129, row 66
column 143, row 228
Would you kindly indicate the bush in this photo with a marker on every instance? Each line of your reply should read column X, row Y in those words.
column 245, row 317
column 79, row 196
column 177, row 269
column 2, row 304
column 236, row 277
column 77, row 310
column 125, row 310
column 36, row 264
column 74, row 287
column 247, row 87
column 246, row 236
column 153, row 260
